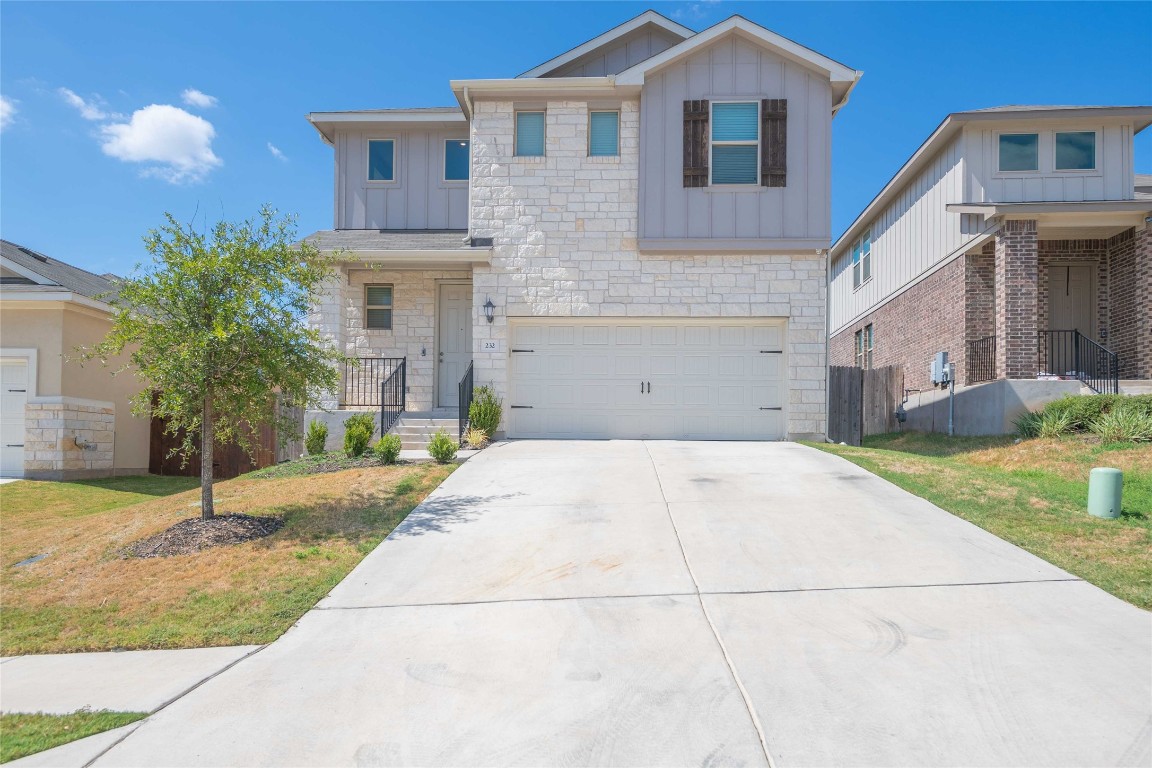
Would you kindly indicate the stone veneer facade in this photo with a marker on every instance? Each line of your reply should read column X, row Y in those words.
column 68, row 438
column 564, row 230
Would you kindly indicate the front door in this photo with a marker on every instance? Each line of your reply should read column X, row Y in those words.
column 453, row 341
column 1071, row 307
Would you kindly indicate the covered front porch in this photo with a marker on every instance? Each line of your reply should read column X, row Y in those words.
column 400, row 306
column 1060, row 292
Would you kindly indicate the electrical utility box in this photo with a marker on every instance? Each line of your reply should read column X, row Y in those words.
column 941, row 370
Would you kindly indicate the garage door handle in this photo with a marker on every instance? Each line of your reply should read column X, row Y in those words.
column 649, row 387
column 519, row 406
column 771, row 351
column 523, row 350
column 770, row 409
column 17, row 390
column 15, row 445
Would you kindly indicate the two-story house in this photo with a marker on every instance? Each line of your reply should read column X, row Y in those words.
column 628, row 240
column 1017, row 240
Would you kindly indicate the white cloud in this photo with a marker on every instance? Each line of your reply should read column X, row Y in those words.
column 195, row 98
column 178, row 143
column 89, row 110
column 8, row 112
column 694, row 11
column 276, row 153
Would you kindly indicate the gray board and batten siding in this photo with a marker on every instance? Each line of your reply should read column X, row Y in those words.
column 629, row 50
column 417, row 198
column 736, row 70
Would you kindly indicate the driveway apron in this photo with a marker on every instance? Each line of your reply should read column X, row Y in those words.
column 677, row 603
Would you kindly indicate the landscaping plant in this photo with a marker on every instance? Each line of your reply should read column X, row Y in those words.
column 484, row 413
column 316, row 438
column 387, row 448
column 476, row 438
column 1123, row 425
column 215, row 326
column 442, row 447
column 358, row 431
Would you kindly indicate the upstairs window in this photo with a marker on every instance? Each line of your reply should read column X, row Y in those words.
column 1019, row 152
column 378, row 307
column 735, row 142
column 456, row 160
column 381, row 160
column 603, row 134
column 1076, row 151
column 862, row 259
column 530, row 134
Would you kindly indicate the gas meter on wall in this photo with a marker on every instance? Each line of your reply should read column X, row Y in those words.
column 941, row 369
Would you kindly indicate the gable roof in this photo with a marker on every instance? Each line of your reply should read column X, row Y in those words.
column 951, row 125
column 843, row 77
column 644, row 19
column 54, row 273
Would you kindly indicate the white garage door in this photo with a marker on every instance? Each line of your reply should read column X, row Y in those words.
column 13, row 395
column 644, row 378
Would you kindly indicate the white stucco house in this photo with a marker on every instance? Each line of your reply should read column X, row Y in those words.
column 628, row 240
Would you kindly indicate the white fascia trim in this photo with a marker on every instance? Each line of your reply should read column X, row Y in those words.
column 24, row 271
column 66, row 296
column 453, row 256
column 720, row 246
column 792, row 50
column 69, row 400
column 440, row 115
column 550, row 84
column 648, row 17
column 1083, row 206
column 31, row 354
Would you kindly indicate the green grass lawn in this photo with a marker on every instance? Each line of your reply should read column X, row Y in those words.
column 23, row 735
column 1032, row 493
column 85, row 595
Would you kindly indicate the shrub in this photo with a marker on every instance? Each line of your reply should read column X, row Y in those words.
column 1053, row 424
column 316, row 438
column 476, row 438
column 442, row 448
column 484, row 413
column 1080, row 410
column 1028, row 424
column 387, row 448
column 1124, row 424
column 358, row 431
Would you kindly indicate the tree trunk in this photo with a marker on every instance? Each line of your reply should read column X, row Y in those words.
column 207, row 508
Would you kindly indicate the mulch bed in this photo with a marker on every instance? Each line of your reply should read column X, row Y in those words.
column 195, row 534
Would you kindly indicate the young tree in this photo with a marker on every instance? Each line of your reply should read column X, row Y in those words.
column 214, row 329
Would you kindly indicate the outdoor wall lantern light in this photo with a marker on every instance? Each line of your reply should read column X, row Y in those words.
column 489, row 310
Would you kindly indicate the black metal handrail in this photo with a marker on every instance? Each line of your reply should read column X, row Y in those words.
column 392, row 391
column 363, row 377
column 1072, row 355
column 464, row 390
column 981, row 360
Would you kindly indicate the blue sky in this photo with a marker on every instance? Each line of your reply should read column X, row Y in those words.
column 88, row 86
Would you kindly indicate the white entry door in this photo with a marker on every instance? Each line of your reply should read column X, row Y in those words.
column 647, row 378
column 453, row 341
column 1072, row 298
column 13, row 396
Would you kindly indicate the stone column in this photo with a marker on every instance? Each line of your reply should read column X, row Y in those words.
column 1016, row 300
column 327, row 317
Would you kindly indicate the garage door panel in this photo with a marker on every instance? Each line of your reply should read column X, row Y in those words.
column 13, row 396
column 708, row 379
column 528, row 335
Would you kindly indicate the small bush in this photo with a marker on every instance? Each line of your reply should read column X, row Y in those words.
column 484, row 413
column 1124, row 424
column 1028, row 424
column 1053, row 424
column 1080, row 410
column 316, row 438
column 387, row 448
column 358, row 431
column 476, row 438
column 442, row 448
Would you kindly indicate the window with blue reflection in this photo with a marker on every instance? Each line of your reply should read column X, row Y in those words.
column 1019, row 152
column 735, row 143
column 1075, row 150
column 603, row 134
column 456, row 160
column 529, row 134
column 381, row 155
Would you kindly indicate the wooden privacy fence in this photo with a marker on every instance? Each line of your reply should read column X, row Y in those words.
column 227, row 460
column 863, row 402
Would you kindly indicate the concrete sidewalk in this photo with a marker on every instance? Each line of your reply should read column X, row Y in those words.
column 661, row 603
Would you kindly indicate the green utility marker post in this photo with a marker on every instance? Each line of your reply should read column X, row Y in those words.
column 1104, row 486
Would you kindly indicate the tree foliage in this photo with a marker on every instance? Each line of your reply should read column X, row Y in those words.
column 214, row 329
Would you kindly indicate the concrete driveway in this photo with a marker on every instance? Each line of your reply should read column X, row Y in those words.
column 673, row 603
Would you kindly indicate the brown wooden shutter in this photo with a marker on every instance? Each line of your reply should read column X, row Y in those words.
column 774, row 135
column 696, row 143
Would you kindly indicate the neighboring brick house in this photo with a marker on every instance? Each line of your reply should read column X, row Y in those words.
column 1017, row 240
column 58, row 421
column 628, row 240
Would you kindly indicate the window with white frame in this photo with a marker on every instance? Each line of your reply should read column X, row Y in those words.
column 603, row 133
column 864, row 347
column 735, row 145
column 456, row 160
column 378, row 307
column 1075, row 151
column 529, row 134
column 862, row 259
column 1019, row 152
column 381, row 160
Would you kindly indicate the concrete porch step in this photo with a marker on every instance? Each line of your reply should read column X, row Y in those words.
column 416, row 428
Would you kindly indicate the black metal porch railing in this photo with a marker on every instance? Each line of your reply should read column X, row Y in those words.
column 1071, row 354
column 981, row 360
column 465, row 402
column 392, row 391
column 363, row 377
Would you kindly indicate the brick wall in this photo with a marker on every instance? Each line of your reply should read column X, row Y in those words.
column 68, row 438
column 911, row 328
column 1016, row 292
column 1130, row 334
column 565, row 244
